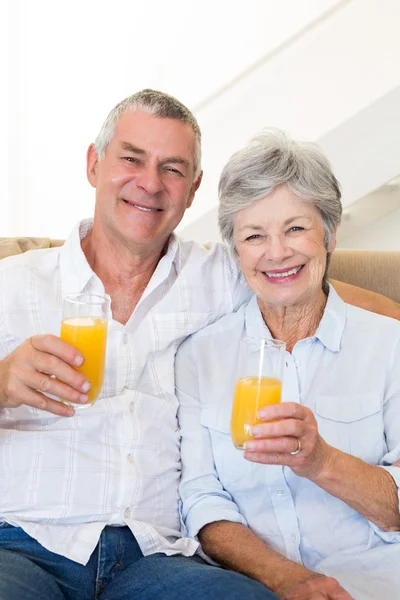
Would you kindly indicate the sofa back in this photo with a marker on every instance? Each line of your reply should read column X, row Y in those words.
column 375, row 270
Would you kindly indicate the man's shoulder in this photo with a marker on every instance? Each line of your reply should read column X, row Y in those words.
column 38, row 260
column 209, row 253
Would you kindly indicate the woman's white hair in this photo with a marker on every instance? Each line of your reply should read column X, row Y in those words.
column 271, row 159
column 157, row 104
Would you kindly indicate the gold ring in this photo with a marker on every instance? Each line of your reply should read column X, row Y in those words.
column 298, row 449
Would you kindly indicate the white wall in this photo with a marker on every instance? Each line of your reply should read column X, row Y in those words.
column 69, row 63
column 320, row 81
column 383, row 234
column 4, row 115
column 364, row 152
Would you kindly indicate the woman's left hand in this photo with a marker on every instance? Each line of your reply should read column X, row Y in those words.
column 292, row 440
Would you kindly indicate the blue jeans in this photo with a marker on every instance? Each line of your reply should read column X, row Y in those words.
column 117, row 570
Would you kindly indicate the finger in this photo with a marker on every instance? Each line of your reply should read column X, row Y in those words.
column 271, row 445
column 286, row 427
column 269, row 458
column 50, row 385
column 341, row 594
column 58, row 347
column 37, row 400
column 52, row 365
column 285, row 410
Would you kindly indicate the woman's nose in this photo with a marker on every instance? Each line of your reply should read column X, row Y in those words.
column 277, row 248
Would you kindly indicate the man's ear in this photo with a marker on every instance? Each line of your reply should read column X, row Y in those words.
column 92, row 162
column 194, row 188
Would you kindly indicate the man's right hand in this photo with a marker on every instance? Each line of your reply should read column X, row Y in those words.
column 313, row 587
column 43, row 363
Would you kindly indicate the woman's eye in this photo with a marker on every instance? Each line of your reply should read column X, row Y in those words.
column 296, row 228
column 255, row 236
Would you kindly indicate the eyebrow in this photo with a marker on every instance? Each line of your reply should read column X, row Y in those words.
column 260, row 228
column 170, row 159
column 131, row 148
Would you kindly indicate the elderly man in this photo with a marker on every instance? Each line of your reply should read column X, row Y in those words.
column 89, row 505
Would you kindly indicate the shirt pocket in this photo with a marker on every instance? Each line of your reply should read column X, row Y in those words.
column 353, row 424
column 229, row 462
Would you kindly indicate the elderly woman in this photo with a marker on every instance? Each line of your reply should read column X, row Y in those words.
column 311, row 508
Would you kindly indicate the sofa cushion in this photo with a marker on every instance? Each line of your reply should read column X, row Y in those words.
column 18, row 245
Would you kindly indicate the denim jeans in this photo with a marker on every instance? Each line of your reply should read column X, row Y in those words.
column 117, row 570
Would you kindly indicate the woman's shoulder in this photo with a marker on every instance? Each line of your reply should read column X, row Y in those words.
column 367, row 324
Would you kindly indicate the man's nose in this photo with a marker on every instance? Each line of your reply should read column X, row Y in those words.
column 149, row 179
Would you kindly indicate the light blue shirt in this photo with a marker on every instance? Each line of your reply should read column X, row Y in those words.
column 348, row 374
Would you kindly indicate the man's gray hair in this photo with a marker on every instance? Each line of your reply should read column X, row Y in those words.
column 156, row 104
column 271, row 159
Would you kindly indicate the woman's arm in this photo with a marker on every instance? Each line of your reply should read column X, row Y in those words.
column 371, row 301
column 370, row 490
column 237, row 548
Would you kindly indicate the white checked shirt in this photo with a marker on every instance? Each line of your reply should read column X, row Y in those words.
column 64, row 479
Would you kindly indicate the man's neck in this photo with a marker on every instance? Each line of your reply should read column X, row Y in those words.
column 124, row 270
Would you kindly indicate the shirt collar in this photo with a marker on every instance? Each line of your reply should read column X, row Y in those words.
column 75, row 270
column 76, row 273
column 330, row 329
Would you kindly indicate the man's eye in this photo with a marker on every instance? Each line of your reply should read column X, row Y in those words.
column 173, row 170
column 131, row 159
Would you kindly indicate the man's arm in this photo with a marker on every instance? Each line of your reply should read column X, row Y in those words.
column 377, row 303
column 237, row 548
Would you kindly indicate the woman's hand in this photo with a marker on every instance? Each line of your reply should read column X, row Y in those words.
column 292, row 440
column 314, row 587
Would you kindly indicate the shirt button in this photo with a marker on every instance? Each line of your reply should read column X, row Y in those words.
column 131, row 407
column 293, row 537
column 127, row 513
column 126, row 337
column 297, row 363
column 280, row 492
column 130, row 458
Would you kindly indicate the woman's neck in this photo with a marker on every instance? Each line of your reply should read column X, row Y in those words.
column 294, row 323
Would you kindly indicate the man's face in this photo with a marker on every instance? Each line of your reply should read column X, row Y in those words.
column 145, row 182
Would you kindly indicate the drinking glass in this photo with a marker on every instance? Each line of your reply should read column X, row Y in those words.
column 259, row 383
column 84, row 325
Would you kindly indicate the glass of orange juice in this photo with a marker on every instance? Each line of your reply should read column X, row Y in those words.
column 84, row 325
column 259, row 383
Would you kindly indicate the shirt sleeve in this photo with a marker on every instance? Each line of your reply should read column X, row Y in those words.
column 391, row 416
column 204, row 500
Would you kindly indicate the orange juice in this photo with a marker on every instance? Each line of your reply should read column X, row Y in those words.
column 251, row 394
column 89, row 336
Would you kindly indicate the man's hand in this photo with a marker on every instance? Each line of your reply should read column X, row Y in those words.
column 43, row 364
column 313, row 587
column 292, row 440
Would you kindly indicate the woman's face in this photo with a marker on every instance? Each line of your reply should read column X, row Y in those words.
column 280, row 243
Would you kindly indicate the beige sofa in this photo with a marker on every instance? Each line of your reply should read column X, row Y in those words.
column 375, row 270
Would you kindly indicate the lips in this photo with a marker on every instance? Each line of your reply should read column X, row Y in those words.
column 280, row 274
column 142, row 207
